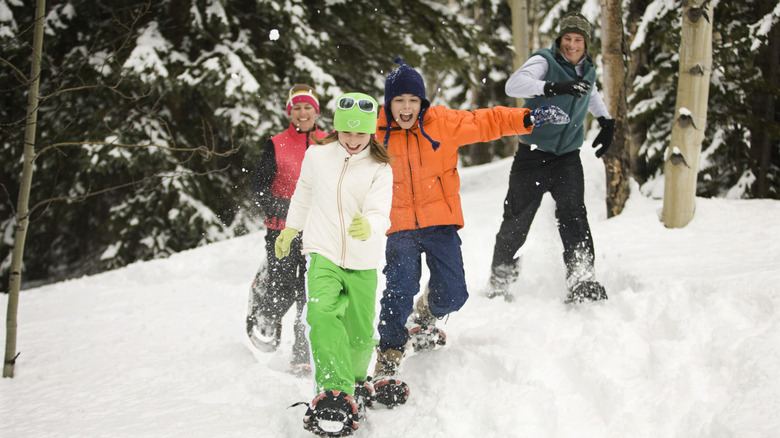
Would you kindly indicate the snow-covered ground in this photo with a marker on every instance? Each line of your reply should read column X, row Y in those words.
column 688, row 345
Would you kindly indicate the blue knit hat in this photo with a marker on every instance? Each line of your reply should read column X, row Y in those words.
column 406, row 80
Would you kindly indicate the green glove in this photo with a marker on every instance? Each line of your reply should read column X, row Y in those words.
column 360, row 228
column 282, row 244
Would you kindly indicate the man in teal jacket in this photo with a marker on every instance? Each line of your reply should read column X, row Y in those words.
column 548, row 160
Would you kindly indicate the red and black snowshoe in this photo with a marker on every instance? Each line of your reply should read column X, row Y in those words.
column 426, row 338
column 332, row 413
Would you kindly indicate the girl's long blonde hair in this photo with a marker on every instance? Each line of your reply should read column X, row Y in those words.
column 378, row 152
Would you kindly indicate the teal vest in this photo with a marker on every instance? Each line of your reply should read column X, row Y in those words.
column 561, row 139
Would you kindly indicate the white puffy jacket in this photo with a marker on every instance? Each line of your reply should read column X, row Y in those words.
column 333, row 186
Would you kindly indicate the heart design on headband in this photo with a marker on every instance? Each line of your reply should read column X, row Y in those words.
column 353, row 123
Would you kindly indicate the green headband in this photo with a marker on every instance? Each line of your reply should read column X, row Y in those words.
column 355, row 112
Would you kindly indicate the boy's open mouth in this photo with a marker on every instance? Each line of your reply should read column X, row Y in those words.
column 405, row 117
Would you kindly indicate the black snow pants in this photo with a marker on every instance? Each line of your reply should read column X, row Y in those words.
column 535, row 172
column 279, row 284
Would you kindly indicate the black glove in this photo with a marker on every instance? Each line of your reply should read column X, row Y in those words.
column 577, row 88
column 274, row 207
column 605, row 135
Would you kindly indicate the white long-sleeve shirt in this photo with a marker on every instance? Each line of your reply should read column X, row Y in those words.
column 332, row 187
column 528, row 81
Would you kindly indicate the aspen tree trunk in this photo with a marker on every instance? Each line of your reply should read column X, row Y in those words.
column 614, row 52
column 690, row 116
column 765, row 104
column 520, row 37
column 22, row 212
column 637, row 59
column 479, row 153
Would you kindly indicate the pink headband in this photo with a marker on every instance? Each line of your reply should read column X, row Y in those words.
column 301, row 97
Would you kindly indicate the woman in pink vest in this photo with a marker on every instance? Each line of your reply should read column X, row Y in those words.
column 280, row 282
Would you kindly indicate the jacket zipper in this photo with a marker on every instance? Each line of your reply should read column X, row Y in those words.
column 444, row 195
column 341, row 213
column 411, row 178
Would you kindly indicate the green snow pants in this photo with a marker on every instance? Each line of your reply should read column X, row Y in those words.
column 340, row 311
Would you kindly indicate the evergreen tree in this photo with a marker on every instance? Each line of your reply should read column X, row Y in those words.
column 168, row 104
column 205, row 82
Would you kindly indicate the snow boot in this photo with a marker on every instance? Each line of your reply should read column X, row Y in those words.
column 501, row 277
column 332, row 413
column 387, row 362
column 422, row 311
column 265, row 333
column 424, row 335
column 388, row 389
column 586, row 291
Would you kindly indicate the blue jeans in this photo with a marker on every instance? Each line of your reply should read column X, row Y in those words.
column 441, row 245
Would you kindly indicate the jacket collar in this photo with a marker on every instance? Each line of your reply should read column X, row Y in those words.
column 293, row 131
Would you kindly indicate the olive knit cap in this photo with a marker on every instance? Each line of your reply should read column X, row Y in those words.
column 574, row 22
column 355, row 112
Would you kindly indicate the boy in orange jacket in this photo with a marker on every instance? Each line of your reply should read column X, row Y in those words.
column 423, row 142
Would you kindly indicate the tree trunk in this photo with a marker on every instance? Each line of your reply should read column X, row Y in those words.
column 520, row 37
column 614, row 52
column 765, row 103
column 638, row 59
column 682, row 157
column 22, row 208
column 478, row 153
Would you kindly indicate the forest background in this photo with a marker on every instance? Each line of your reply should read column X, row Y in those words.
column 153, row 114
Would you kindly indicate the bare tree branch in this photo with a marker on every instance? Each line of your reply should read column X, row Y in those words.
column 19, row 74
column 157, row 176
column 205, row 151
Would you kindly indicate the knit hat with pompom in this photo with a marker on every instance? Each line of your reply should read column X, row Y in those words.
column 406, row 80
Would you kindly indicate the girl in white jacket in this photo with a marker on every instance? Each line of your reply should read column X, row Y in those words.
column 342, row 204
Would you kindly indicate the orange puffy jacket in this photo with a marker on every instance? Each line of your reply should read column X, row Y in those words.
column 426, row 184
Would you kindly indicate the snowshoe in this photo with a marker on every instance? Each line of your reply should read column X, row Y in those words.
column 498, row 293
column 364, row 397
column 390, row 391
column 300, row 350
column 300, row 369
column 332, row 413
column 426, row 338
column 497, row 288
column 424, row 335
column 586, row 291
column 265, row 333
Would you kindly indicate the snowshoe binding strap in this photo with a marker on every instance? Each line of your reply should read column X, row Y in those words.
column 364, row 392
